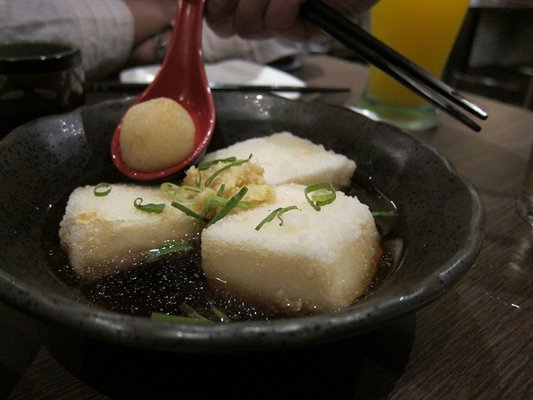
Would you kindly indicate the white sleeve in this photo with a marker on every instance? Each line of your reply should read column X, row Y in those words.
column 102, row 29
column 263, row 51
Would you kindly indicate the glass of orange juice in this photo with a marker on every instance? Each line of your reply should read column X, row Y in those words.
column 424, row 31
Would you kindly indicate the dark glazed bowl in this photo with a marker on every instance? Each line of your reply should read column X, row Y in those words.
column 440, row 221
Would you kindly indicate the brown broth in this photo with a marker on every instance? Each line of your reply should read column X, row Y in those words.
column 165, row 284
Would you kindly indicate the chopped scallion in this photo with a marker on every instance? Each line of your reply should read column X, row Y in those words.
column 278, row 212
column 230, row 204
column 168, row 248
column 225, row 168
column 214, row 202
column 179, row 193
column 221, row 190
column 385, row 214
column 150, row 207
column 192, row 313
column 187, row 211
column 192, row 316
column 217, row 201
column 320, row 194
column 102, row 189
column 208, row 164
column 221, row 315
column 156, row 316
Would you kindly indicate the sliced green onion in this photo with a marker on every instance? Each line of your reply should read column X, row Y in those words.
column 156, row 316
column 182, row 194
column 102, row 189
column 172, row 190
column 221, row 190
column 230, row 204
column 283, row 211
column 187, row 211
column 150, row 207
column 208, row 164
column 221, row 315
column 192, row 313
column 244, row 204
column 225, row 205
column 214, row 202
column 168, row 248
column 269, row 218
column 217, row 201
column 225, row 168
column 320, row 194
column 192, row 316
column 385, row 214
column 278, row 212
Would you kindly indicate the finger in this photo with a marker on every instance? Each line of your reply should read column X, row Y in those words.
column 282, row 19
column 249, row 18
column 219, row 15
column 282, row 15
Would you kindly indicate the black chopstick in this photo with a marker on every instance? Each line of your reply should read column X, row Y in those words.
column 279, row 88
column 390, row 61
column 112, row 86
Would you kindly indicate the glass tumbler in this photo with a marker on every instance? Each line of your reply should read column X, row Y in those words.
column 424, row 31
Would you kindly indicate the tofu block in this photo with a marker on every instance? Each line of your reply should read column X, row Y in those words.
column 290, row 159
column 106, row 234
column 316, row 261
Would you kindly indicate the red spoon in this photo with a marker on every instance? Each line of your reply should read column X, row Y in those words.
column 182, row 78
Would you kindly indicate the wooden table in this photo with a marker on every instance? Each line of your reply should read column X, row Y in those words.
column 472, row 343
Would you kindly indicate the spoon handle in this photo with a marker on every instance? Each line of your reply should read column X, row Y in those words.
column 184, row 53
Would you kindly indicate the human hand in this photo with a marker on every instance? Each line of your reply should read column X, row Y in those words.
column 150, row 17
column 256, row 19
column 152, row 20
column 150, row 51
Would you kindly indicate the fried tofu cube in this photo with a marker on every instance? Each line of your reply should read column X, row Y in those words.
column 104, row 234
column 313, row 261
column 287, row 158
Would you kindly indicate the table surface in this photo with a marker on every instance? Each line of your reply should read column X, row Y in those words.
column 474, row 342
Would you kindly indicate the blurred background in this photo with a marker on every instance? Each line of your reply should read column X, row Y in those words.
column 493, row 55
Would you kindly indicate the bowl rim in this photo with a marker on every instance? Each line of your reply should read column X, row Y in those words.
column 250, row 335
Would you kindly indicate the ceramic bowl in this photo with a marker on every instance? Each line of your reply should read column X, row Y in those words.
column 439, row 225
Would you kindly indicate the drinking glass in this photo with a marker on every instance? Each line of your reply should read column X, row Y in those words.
column 424, row 31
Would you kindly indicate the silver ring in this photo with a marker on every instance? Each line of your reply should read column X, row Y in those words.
column 160, row 46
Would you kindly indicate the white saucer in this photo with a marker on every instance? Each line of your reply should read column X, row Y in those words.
column 234, row 72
